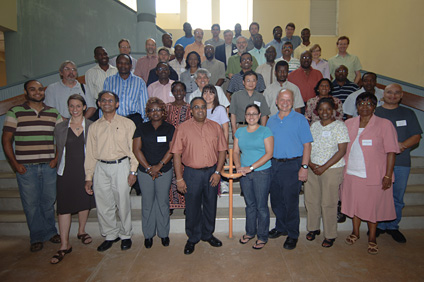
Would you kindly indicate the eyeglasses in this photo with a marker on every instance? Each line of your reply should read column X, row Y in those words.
column 203, row 107
column 154, row 110
column 69, row 69
column 125, row 47
column 306, row 57
column 107, row 100
column 367, row 104
column 341, row 71
column 246, row 60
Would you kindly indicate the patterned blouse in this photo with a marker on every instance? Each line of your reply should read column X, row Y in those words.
column 311, row 113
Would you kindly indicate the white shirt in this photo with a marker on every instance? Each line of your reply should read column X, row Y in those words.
column 221, row 96
column 349, row 105
column 95, row 78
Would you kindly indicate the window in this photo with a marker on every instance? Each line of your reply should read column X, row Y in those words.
column 167, row 6
column 130, row 3
column 324, row 17
column 199, row 13
column 228, row 17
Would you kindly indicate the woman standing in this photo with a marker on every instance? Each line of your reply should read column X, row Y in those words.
column 71, row 136
column 253, row 149
column 318, row 63
column 178, row 112
column 192, row 64
column 215, row 111
column 151, row 148
column 323, row 89
column 325, row 173
column 367, row 193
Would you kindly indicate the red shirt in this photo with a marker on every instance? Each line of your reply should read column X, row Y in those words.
column 306, row 83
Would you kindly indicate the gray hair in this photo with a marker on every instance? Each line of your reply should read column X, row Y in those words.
column 202, row 71
column 63, row 65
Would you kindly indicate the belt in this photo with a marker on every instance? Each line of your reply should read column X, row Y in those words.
column 203, row 168
column 286, row 159
column 113, row 162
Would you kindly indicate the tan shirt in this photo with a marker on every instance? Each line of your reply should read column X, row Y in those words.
column 200, row 49
column 109, row 141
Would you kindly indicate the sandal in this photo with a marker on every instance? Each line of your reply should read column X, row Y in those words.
column 372, row 248
column 351, row 239
column 259, row 245
column 35, row 247
column 311, row 235
column 328, row 243
column 85, row 238
column 55, row 239
column 58, row 257
column 244, row 238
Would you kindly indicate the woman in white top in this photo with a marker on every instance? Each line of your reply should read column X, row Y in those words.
column 216, row 112
column 325, row 173
column 318, row 63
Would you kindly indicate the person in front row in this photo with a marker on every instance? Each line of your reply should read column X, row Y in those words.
column 112, row 167
column 200, row 145
column 292, row 150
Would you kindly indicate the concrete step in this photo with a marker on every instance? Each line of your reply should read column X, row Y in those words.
column 416, row 176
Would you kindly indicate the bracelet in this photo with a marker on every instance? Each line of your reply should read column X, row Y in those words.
column 161, row 162
column 178, row 180
column 149, row 168
column 387, row 177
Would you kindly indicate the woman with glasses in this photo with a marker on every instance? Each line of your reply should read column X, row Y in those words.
column 253, row 149
column 151, row 148
column 318, row 63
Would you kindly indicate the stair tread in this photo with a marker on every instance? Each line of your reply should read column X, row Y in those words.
column 7, row 175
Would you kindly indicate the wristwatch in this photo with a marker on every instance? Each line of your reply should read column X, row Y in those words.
column 251, row 168
column 134, row 173
column 217, row 172
column 305, row 166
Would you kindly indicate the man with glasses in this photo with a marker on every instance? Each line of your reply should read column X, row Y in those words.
column 124, row 46
column 233, row 65
column 199, row 144
column 287, row 52
column 197, row 45
column 162, row 88
column 343, row 87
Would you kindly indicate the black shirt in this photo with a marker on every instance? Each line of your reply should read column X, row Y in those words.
column 155, row 143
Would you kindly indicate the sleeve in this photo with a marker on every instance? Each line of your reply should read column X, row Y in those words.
column 349, row 105
column 50, row 99
column 11, row 122
column 390, row 139
column 305, row 131
column 222, row 143
column 143, row 100
column 267, row 132
column 223, row 100
column 255, row 64
column 223, row 117
column 177, row 144
column 260, row 86
column 298, row 100
column 91, row 147
column 264, row 106
column 230, row 66
column 342, row 133
column 238, row 132
column 414, row 127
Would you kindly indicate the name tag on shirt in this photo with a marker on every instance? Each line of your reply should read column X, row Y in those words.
column 161, row 139
column 257, row 103
column 366, row 142
column 326, row 134
column 170, row 94
column 400, row 123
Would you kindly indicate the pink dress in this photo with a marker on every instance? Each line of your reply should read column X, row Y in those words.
column 364, row 197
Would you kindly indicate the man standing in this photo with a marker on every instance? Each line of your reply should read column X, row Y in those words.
column 253, row 29
column 95, row 77
column 272, row 91
column 237, row 81
column 344, row 58
column 342, row 87
column 277, row 32
column 167, row 43
column 148, row 62
column 163, row 57
column 290, row 160
column 259, row 50
column 187, row 38
column 305, row 34
column 178, row 64
column 162, row 87
column 197, row 45
column 369, row 84
column 233, row 66
column 409, row 134
column 267, row 69
column 237, row 32
column 228, row 49
column 287, row 52
column 31, row 125
column 305, row 77
column 294, row 39
column 57, row 93
column 215, row 67
column 124, row 46
column 199, row 144
column 112, row 167
column 215, row 41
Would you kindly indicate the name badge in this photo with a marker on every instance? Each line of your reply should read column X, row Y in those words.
column 170, row 94
column 257, row 103
column 161, row 139
column 400, row 123
column 366, row 142
column 326, row 134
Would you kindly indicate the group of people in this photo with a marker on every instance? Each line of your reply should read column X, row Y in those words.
column 162, row 125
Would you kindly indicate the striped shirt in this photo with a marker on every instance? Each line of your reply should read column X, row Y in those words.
column 132, row 94
column 342, row 92
column 33, row 132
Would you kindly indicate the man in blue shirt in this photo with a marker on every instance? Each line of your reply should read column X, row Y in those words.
column 188, row 38
column 292, row 150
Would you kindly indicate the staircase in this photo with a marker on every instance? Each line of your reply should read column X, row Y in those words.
column 13, row 223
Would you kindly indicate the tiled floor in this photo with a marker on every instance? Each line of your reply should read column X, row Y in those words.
column 232, row 262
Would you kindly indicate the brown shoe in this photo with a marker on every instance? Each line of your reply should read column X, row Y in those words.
column 35, row 247
column 55, row 239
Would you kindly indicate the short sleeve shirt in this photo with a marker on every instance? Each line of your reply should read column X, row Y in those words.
column 241, row 99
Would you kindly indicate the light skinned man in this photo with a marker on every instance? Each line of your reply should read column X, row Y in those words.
column 199, row 144
column 409, row 135
column 31, row 126
column 111, row 168
column 344, row 58
column 292, row 151
column 233, row 65
column 124, row 46
column 290, row 37
column 197, row 45
column 148, row 62
column 228, row 49
column 215, row 41
column 253, row 29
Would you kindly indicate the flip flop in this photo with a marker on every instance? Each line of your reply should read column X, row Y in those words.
column 85, row 238
column 259, row 245
column 60, row 255
column 311, row 235
column 351, row 239
column 245, row 237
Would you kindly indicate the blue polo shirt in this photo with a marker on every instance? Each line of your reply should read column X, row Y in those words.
column 290, row 134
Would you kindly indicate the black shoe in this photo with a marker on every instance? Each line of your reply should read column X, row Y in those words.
column 396, row 235
column 148, row 243
column 214, row 242
column 126, row 244
column 165, row 241
column 378, row 231
column 106, row 245
column 274, row 233
column 290, row 243
column 340, row 217
column 171, row 211
column 189, row 248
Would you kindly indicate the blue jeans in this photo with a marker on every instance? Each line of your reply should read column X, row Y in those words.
column 399, row 187
column 37, row 188
column 255, row 186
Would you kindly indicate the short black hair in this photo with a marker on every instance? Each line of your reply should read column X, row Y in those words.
column 246, row 53
column 250, row 73
column 369, row 73
column 28, row 82
column 125, row 55
column 366, row 96
column 196, row 98
column 273, row 30
column 108, row 92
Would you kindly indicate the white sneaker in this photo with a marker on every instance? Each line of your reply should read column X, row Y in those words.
column 224, row 187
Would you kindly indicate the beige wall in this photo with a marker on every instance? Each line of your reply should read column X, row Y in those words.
column 386, row 35
column 8, row 15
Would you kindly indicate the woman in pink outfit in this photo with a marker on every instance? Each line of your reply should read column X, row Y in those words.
column 367, row 186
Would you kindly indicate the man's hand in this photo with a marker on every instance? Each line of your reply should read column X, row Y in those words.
column 214, row 180
column 303, row 174
column 131, row 180
column 19, row 168
column 53, row 163
column 88, row 187
column 182, row 186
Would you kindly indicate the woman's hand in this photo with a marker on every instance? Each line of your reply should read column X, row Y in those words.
column 155, row 172
column 387, row 182
column 244, row 170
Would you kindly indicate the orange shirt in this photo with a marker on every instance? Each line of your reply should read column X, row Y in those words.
column 200, row 49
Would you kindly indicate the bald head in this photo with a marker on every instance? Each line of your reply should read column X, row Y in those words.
column 150, row 46
column 392, row 96
column 285, row 100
